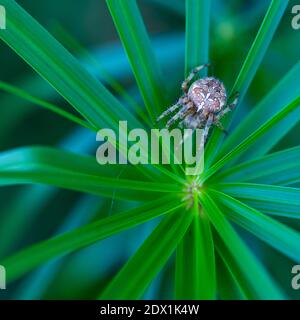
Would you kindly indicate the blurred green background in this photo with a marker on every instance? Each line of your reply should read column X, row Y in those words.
column 29, row 214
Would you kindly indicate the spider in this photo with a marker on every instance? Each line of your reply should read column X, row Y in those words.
column 203, row 104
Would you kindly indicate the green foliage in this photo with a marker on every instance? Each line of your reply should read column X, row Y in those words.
column 250, row 140
column 39, row 165
column 39, row 102
column 195, row 265
column 274, row 233
column 255, row 285
column 251, row 64
column 197, row 34
column 240, row 183
column 55, row 64
column 275, row 200
column 33, row 256
column 280, row 167
column 143, row 267
column 133, row 34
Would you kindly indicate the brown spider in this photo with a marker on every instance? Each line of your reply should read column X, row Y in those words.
column 203, row 104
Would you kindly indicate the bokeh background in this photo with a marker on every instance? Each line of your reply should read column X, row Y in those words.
column 29, row 214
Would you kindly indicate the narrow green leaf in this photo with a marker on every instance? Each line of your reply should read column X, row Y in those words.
column 135, row 39
column 245, row 144
column 195, row 260
column 74, row 172
column 260, row 45
column 49, row 58
column 281, row 168
column 168, row 50
column 15, row 225
column 75, row 46
column 250, row 274
column 277, row 235
column 34, row 100
column 239, row 271
column 55, row 64
column 28, row 259
column 274, row 200
column 36, row 285
column 250, row 67
column 228, row 286
column 283, row 93
column 44, row 174
column 140, row 270
column 197, row 34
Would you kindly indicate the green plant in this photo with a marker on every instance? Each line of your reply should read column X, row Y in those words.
column 238, row 184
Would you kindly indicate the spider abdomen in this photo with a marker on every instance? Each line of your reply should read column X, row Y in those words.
column 208, row 95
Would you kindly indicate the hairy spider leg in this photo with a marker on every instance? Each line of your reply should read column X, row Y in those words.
column 180, row 114
column 186, row 82
column 171, row 109
column 182, row 122
column 207, row 126
column 229, row 108
column 196, row 123
column 218, row 124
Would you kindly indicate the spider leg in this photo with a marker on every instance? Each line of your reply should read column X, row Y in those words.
column 172, row 108
column 194, row 123
column 186, row 82
column 229, row 108
column 180, row 114
column 218, row 124
column 207, row 127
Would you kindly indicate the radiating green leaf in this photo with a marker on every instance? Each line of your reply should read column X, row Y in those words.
column 283, row 93
column 15, row 226
column 195, row 260
column 55, row 64
column 250, row 288
column 75, row 46
column 260, row 45
column 34, row 100
column 28, row 259
column 14, row 223
column 281, row 167
column 36, row 285
column 247, row 142
column 277, row 235
column 74, row 172
column 133, row 34
column 197, row 34
column 250, row 67
column 139, row 271
column 247, row 270
column 228, row 286
column 274, row 200
column 169, row 50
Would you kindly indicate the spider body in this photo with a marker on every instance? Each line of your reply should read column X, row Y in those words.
column 207, row 94
column 202, row 104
